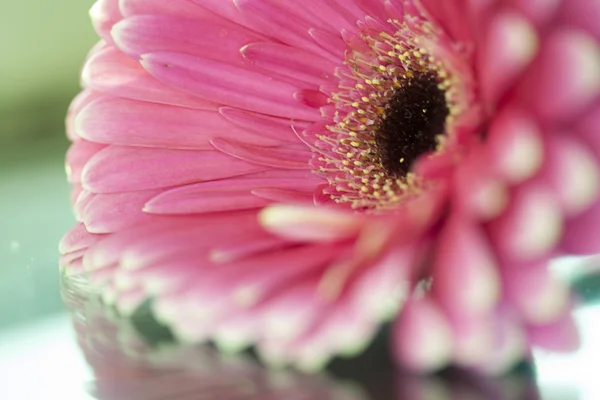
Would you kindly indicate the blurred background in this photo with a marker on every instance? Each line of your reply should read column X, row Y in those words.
column 42, row 46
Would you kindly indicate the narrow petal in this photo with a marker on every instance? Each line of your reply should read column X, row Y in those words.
column 187, row 202
column 78, row 156
column 215, row 39
column 580, row 235
column 422, row 337
column 539, row 12
column 77, row 238
column 287, row 60
column 79, row 102
column 107, row 213
column 309, row 224
column 566, row 77
column 110, row 71
column 465, row 277
column 516, row 144
column 195, row 198
column 104, row 14
column 285, row 156
column 531, row 227
column 560, row 336
column 582, row 14
column 280, row 20
column 381, row 290
column 512, row 44
column 573, row 173
column 117, row 169
column 329, row 42
column 535, row 292
column 227, row 84
column 158, row 7
column 134, row 123
column 276, row 128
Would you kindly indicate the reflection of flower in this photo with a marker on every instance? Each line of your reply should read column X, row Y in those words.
column 128, row 366
column 292, row 174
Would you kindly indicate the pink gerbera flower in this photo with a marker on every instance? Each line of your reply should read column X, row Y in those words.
column 291, row 175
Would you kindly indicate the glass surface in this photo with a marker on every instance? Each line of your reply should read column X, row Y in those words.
column 91, row 352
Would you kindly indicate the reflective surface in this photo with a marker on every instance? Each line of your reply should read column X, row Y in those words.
column 92, row 353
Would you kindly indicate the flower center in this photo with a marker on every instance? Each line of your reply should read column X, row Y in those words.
column 398, row 99
column 414, row 117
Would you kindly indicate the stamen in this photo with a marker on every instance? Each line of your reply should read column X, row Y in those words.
column 394, row 104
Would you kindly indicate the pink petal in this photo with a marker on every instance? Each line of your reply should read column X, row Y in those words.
column 333, row 44
column 510, row 347
column 272, row 127
column 107, row 213
column 381, row 290
column 342, row 331
column 81, row 202
column 208, row 38
column 284, row 195
column 110, row 71
column 451, row 15
column 573, row 172
column 422, row 337
column 511, row 45
column 334, row 16
column 110, row 250
column 566, row 77
column 187, row 202
column 516, row 145
column 287, row 156
column 77, row 238
column 540, row 12
column 286, row 60
column 226, row 9
column 277, row 19
column 104, row 14
column 180, row 242
column 194, row 198
column 289, row 315
column 480, row 191
column 227, row 84
column 581, row 233
column 582, row 14
column 531, row 227
column 465, row 277
column 537, row 295
column 129, row 122
column 78, row 156
column 561, row 335
column 309, row 223
column 173, row 8
column 474, row 339
column 117, row 168
column 79, row 102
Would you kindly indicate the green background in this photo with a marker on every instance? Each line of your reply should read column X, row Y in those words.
column 42, row 46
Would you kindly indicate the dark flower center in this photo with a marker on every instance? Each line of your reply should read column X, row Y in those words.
column 414, row 116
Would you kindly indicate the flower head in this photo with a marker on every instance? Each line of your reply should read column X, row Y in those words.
column 291, row 175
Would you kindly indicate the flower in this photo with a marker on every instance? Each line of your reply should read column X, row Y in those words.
column 292, row 175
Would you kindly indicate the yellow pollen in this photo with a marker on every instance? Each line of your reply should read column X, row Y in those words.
column 353, row 165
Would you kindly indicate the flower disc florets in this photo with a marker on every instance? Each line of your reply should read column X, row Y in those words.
column 397, row 100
